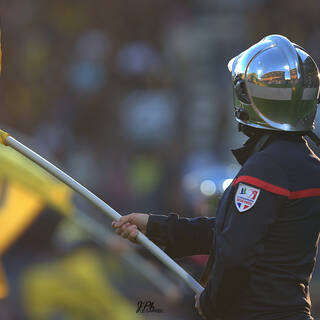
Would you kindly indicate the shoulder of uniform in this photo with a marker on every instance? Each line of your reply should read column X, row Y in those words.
column 262, row 169
column 265, row 160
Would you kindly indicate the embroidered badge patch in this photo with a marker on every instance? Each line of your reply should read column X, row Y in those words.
column 246, row 197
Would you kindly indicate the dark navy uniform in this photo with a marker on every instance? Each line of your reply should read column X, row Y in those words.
column 265, row 236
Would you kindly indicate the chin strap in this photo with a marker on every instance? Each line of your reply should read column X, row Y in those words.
column 252, row 145
column 314, row 138
column 261, row 143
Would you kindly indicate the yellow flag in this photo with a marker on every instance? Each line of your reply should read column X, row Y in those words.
column 82, row 276
column 15, row 167
column 25, row 189
column 18, row 209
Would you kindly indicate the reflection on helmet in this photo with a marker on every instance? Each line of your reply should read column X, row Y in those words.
column 275, row 86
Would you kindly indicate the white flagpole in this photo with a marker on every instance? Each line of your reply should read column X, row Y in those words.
column 7, row 140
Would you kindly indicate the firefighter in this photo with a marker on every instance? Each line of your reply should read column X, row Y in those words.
column 263, row 241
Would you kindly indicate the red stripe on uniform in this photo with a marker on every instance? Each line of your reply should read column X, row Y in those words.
column 315, row 192
column 263, row 185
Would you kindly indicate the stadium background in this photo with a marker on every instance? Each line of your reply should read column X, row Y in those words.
column 133, row 98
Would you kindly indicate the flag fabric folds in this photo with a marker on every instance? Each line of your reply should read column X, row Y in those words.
column 25, row 189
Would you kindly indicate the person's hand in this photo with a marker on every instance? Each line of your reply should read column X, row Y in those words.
column 197, row 305
column 128, row 225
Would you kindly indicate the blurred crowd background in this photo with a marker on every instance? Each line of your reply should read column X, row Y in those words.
column 134, row 100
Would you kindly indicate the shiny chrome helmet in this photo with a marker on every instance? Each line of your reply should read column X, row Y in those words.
column 275, row 86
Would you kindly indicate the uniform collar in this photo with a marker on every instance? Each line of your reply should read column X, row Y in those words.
column 257, row 142
column 242, row 154
column 254, row 144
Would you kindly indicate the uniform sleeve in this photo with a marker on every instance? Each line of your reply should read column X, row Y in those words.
column 181, row 236
column 240, row 238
